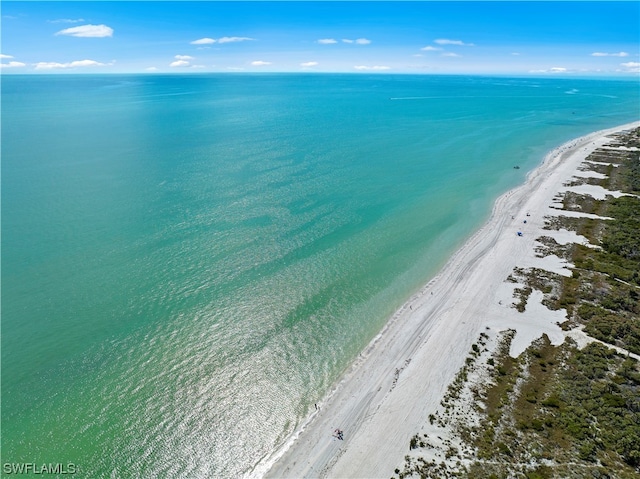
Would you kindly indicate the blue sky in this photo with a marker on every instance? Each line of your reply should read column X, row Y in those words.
column 548, row 38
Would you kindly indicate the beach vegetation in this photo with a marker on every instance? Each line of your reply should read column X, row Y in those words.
column 558, row 411
column 580, row 407
column 603, row 293
column 583, row 203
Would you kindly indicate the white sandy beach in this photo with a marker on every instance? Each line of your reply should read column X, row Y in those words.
column 401, row 377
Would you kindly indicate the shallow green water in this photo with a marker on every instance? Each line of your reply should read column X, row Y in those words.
column 189, row 262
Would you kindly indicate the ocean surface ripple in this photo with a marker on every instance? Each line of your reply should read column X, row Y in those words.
column 190, row 262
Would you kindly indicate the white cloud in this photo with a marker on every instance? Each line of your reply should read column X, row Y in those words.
column 85, row 63
column 446, row 41
column 359, row 41
column 600, row 54
column 259, row 63
column 89, row 31
column 12, row 65
column 181, row 61
column 374, row 67
column 308, row 64
column 327, row 41
column 551, row 70
column 429, row 48
column 633, row 67
column 5, row 56
column 198, row 66
column 209, row 41
column 451, row 55
column 203, row 41
column 73, row 64
column 151, row 69
column 234, row 39
column 67, row 20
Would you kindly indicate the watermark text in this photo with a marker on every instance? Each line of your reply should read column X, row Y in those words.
column 39, row 468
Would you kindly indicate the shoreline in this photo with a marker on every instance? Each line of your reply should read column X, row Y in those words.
column 400, row 377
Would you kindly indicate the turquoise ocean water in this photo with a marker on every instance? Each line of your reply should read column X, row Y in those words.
column 190, row 262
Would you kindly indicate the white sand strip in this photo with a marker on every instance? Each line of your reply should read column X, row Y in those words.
column 556, row 211
column 600, row 163
column 564, row 237
column 402, row 375
column 595, row 191
column 590, row 174
column 622, row 148
column 582, row 339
